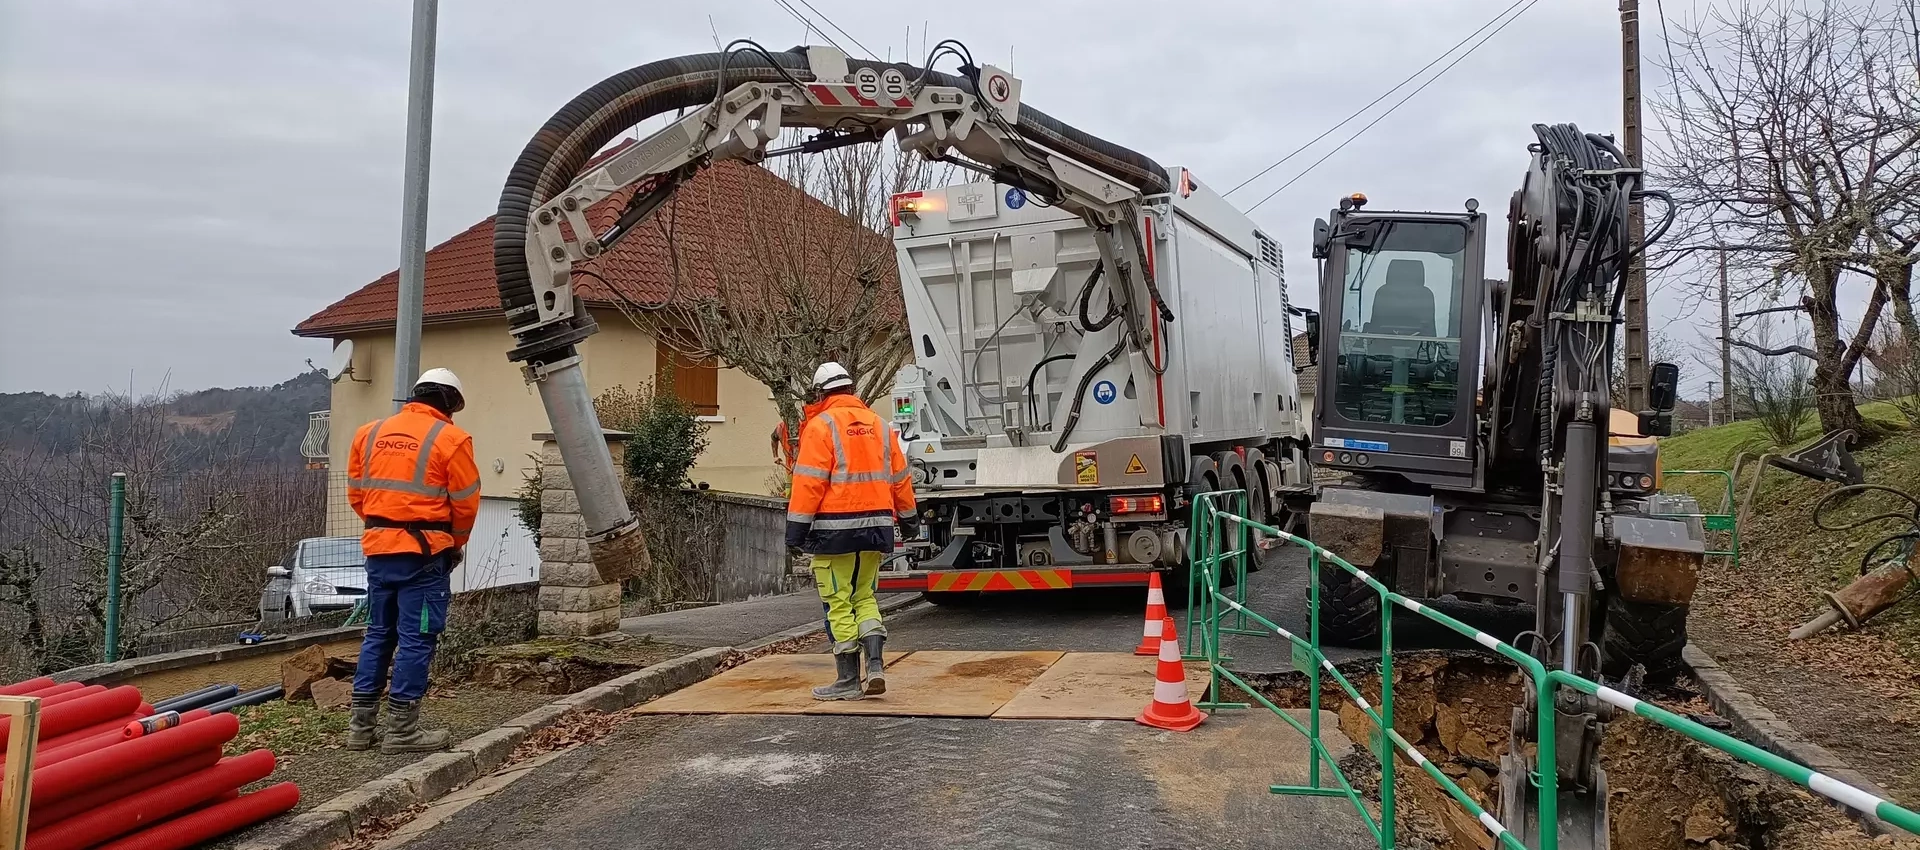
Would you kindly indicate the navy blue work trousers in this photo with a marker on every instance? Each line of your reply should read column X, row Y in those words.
column 407, row 597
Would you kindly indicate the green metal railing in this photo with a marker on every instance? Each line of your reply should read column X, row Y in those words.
column 1219, row 540
column 1726, row 520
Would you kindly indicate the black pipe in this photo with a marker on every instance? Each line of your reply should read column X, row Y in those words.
column 197, row 698
column 1086, row 295
column 266, row 694
column 554, row 156
column 1033, row 412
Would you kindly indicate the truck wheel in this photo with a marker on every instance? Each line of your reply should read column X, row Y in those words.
column 1349, row 609
column 1647, row 634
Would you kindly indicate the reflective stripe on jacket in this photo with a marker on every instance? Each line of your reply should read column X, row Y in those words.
column 412, row 479
column 849, row 483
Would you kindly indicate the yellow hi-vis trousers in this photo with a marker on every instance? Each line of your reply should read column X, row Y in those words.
column 847, row 584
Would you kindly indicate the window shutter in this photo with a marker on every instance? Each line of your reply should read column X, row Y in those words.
column 697, row 382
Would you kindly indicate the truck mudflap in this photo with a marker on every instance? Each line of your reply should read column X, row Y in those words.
column 1055, row 578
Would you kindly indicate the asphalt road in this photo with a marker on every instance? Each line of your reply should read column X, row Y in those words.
column 756, row 781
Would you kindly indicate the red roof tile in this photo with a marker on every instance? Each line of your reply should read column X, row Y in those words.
column 709, row 222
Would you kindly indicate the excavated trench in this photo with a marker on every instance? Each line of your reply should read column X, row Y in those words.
column 1669, row 793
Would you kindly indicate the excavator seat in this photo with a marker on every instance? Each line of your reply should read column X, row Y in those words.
column 1404, row 304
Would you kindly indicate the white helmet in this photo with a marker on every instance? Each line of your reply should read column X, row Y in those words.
column 444, row 378
column 831, row 376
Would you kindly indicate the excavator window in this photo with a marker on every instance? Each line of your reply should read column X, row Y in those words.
column 1399, row 346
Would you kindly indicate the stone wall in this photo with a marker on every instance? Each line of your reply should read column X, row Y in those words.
column 574, row 598
column 752, row 558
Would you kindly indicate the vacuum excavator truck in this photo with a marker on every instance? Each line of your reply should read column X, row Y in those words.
column 1096, row 335
column 1482, row 457
column 1056, row 426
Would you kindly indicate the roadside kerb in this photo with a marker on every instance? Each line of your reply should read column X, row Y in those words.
column 440, row 774
column 1767, row 731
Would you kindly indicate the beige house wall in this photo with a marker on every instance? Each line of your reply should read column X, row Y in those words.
column 503, row 412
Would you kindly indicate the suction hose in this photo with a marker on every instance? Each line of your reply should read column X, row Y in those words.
column 553, row 158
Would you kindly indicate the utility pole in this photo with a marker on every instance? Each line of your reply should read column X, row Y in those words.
column 413, row 203
column 1726, row 338
column 1711, row 402
column 1636, row 212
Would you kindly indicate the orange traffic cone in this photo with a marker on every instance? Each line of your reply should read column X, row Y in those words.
column 1156, row 611
column 1171, row 708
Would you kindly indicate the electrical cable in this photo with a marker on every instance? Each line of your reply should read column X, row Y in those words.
column 1370, row 104
column 1390, row 110
column 836, row 26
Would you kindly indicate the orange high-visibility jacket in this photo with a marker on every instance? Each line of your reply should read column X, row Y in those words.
column 849, row 483
column 785, row 447
column 412, row 479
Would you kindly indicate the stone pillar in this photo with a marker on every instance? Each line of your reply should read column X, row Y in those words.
column 575, row 599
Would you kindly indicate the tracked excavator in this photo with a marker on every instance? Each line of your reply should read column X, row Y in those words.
column 1481, row 459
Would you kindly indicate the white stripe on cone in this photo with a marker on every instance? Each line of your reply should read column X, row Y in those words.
column 1170, row 649
column 1155, row 596
column 1152, row 628
column 1170, row 693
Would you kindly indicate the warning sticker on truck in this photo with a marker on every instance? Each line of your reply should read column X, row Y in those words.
column 1135, row 467
column 1086, row 467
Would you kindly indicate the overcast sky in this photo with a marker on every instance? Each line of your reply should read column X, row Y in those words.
column 181, row 181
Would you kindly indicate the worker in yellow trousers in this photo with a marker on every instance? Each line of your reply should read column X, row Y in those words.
column 849, row 489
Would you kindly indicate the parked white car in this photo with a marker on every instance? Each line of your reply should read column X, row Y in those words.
column 320, row 574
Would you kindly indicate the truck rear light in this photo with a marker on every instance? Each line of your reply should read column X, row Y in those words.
column 1154, row 504
column 907, row 206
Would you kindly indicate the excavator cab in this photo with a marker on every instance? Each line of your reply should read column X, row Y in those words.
column 1401, row 298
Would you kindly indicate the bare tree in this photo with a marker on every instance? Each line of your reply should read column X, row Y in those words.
column 1792, row 144
column 797, row 287
column 201, row 525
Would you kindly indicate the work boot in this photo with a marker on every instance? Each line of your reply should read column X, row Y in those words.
column 875, row 646
column 846, row 666
column 363, row 725
column 404, row 734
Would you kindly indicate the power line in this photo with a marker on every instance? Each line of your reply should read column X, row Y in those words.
column 836, row 27
column 1396, row 105
column 1370, row 104
column 809, row 24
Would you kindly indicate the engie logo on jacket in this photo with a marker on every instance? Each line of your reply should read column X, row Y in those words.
column 859, row 429
column 407, row 444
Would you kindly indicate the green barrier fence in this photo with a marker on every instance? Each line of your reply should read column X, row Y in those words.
column 1220, row 541
column 1725, row 520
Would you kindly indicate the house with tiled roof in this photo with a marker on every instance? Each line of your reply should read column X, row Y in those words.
column 681, row 254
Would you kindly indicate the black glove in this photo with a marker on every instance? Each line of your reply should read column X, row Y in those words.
column 455, row 557
column 910, row 527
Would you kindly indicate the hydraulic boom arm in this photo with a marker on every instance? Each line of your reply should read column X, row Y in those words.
column 736, row 104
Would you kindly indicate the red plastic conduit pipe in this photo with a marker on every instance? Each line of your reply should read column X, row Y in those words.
column 20, row 689
column 110, row 725
column 54, row 690
column 213, row 821
column 57, row 782
column 102, row 794
column 146, row 808
column 72, row 746
column 81, row 712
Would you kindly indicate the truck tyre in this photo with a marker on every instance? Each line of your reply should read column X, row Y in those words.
column 1349, row 609
column 1650, row 635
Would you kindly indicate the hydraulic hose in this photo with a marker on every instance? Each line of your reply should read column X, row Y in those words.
column 1080, row 394
column 1086, row 295
column 554, row 156
column 1033, row 411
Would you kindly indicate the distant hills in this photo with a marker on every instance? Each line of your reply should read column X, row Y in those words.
column 252, row 425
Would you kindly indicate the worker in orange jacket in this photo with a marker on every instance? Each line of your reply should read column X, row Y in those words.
column 785, row 446
column 412, row 479
column 849, row 488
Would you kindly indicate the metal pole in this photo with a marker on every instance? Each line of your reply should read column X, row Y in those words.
column 116, row 523
column 413, row 203
column 1726, row 341
column 1636, row 213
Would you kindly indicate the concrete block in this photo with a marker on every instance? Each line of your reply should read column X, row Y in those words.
column 601, row 698
column 383, row 797
column 569, row 573
column 436, row 775
column 539, row 718
column 555, row 475
column 594, row 598
column 550, row 453
column 492, row 749
column 562, row 525
column 559, row 501
column 571, row 549
column 314, row 830
column 579, row 623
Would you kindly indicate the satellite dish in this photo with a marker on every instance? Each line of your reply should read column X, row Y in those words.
column 342, row 360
